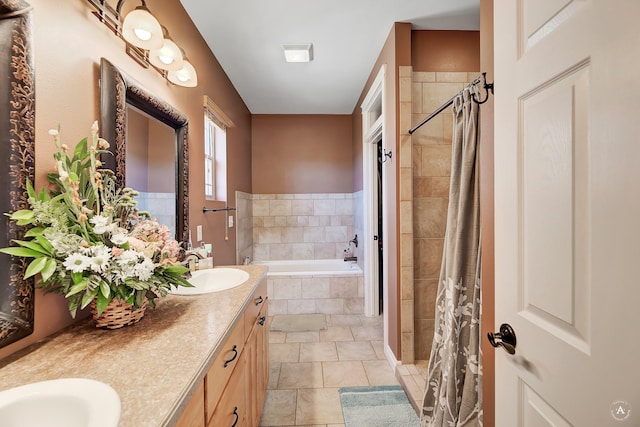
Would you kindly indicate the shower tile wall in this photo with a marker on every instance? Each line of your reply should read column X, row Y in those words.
column 244, row 226
column 406, row 220
column 301, row 226
column 358, row 224
column 431, row 163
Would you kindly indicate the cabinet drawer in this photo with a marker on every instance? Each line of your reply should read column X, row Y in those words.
column 257, row 304
column 223, row 366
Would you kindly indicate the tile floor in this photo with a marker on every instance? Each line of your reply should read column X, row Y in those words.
column 413, row 379
column 308, row 368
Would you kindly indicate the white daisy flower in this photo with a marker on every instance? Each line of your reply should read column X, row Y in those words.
column 144, row 270
column 119, row 239
column 128, row 257
column 100, row 224
column 100, row 260
column 76, row 262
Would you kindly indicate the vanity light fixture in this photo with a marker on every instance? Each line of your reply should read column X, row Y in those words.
column 298, row 52
column 147, row 41
column 140, row 27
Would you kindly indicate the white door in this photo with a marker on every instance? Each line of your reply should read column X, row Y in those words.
column 567, row 211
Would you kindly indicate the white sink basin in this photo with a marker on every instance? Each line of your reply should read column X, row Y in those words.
column 213, row 280
column 67, row 402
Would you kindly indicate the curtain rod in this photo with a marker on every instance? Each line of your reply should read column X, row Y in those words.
column 488, row 87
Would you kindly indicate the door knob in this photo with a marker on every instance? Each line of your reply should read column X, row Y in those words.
column 506, row 338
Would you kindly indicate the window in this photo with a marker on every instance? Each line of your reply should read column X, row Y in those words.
column 209, row 158
column 215, row 152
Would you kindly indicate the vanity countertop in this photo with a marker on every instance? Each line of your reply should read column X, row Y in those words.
column 154, row 365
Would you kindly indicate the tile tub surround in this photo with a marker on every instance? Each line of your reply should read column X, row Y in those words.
column 358, row 225
column 154, row 365
column 244, row 226
column 301, row 226
column 294, row 287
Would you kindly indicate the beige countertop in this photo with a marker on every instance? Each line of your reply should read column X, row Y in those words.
column 154, row 365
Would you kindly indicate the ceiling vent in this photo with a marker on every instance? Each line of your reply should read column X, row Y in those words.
column 298, row 52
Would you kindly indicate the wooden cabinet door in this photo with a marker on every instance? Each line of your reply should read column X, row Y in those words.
column 225, row 363
column 193, row 415
column 251, row 350
column 232, row 409
column 262, row 360
column 258, row 366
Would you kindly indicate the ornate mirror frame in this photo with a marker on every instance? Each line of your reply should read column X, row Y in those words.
column 116, row 91
column 17, row 148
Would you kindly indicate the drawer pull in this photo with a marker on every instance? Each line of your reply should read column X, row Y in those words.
column 262, row 320
column 235, row 356
column 235, row 412
column 260, row 300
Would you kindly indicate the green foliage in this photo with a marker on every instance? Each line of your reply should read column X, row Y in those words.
column 87, row 239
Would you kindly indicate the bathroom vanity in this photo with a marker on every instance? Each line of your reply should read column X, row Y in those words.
column 192, row 361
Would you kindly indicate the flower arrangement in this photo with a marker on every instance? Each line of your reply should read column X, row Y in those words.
column 88, row 240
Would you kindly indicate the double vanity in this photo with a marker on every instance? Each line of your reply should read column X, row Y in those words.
column 193, row 361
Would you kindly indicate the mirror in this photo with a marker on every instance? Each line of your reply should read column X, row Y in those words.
column 17, row 149
column 131, row 118
column 151, row 156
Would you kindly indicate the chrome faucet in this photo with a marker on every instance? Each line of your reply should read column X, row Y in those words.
column 354, row 241
column 189, row 257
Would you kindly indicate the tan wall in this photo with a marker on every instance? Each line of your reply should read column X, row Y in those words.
column 302, row 154
column 396, row 52
column 69, row 42
column 445, row 50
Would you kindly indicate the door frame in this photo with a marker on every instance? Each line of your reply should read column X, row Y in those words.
column 487, row 223
column 372, row 130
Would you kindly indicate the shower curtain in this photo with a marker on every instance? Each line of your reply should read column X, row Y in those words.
column 453, row 392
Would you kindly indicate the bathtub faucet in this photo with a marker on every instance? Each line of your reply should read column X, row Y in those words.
column 354, row 241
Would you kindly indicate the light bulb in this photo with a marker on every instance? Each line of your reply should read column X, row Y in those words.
column 165, row 59
column 186, row 76
column 168, row 57
column 142, row 34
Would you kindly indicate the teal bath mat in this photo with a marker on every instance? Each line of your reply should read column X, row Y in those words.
column 377, row 406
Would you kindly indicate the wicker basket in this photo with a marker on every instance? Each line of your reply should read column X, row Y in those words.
column 117, row 314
